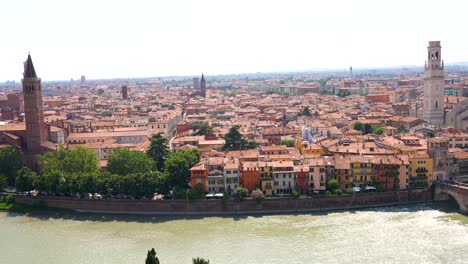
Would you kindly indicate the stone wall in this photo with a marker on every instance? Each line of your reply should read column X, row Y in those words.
column 214, row 207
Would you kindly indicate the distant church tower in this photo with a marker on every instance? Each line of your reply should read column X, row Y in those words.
column 124, row 92
column 33, row 109
column 203, row 86
column 433, row 110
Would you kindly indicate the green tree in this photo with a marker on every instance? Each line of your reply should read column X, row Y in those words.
column 378, row 131
column 367, row 129
column 295, row 194
column 153, row 182
column 123, row 161
column 240, row 193
column 158, row 151
column 178, row 165
column 24, row 179
column 332, row 185
column 202, row 129
column 3, row 182
column 251, row 144
column 151, row 257
column 10, row 162
column 81, row 160
column 233, row 139
column 39, row 183
column 88, row 183
column 358, row 126
column 77, row 160
column 378, row 185
column 199, row 260
column 198, row 191
column 54, row 182
column 305, row 111
column 288, row 142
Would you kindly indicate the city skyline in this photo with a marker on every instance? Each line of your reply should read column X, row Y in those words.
column 130, row 40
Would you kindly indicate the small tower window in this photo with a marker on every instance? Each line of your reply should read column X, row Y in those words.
column 436, row 104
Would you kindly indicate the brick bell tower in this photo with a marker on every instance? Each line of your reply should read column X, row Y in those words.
column 33, row 109
column 203, row 86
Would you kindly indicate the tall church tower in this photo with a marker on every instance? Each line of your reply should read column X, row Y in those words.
column 203, row 86
column 433, row 110
column 124, row 92
column 33, row 109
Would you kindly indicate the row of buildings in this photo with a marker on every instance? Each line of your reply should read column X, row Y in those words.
column 389, row 163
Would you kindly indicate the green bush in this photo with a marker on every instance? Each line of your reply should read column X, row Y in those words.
column 10, row 199
column 338, row 192
column 240, row 193
column 224, row 201
column 295, row 194
column 332, row 185
column 179, row 193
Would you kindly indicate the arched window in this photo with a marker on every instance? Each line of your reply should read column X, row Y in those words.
column 436, row 104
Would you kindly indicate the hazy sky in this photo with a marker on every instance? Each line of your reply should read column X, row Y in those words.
column 138, row 38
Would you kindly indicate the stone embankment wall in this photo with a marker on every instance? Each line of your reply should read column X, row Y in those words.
column 215, row 207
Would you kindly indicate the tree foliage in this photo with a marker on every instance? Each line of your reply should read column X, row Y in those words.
column 378, row 131
column 197, row 192
column 288, row 142
column 364, row 128
column 3, row 182
column 54, row 182
column 332, row 185
column 305, row 112
column 202, row 129
column 199, row 260
column 137, row 185
column 240, row 193
column 10, row 162
column 367, row 129
column 77, row 160
column 25, row 179
column 250, row 144
column 235, row 141
column 177, row 167
column 123, row 161
column 151, row 257
column 358, row 126
column 158, row 151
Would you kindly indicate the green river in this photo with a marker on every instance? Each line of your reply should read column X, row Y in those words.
column 403, row 234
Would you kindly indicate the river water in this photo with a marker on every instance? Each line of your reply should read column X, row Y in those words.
column 404, row 234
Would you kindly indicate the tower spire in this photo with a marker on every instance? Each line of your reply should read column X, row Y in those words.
column 29, row 71
column 203, row 86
